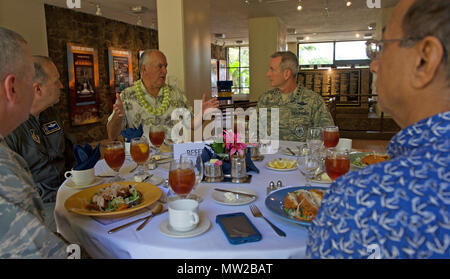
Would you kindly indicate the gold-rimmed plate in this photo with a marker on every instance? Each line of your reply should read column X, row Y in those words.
column 77, row 203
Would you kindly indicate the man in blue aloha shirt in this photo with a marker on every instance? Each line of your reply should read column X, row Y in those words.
column 399, row 208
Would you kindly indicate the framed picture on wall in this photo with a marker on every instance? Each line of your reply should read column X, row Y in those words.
column 82, row 62
column 120, row 72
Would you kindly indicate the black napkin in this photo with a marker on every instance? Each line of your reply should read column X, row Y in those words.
column 86, row 157
column 226, row 166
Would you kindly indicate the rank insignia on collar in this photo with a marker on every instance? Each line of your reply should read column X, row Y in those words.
column 51, row 127
column 35, row 136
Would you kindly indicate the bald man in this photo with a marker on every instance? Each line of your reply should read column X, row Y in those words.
column 150, row 101
column 41, row 139
column 23, row 233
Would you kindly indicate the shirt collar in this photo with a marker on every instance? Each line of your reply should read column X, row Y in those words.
column 426, row 131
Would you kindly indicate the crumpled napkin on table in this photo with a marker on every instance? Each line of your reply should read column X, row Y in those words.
column 132, row 133
column 86, row 157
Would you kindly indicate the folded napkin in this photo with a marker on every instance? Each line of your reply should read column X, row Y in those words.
column 86, row 157
column 226, row 166
column 132, row 133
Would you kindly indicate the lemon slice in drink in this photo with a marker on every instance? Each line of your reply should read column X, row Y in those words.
column 143, row 147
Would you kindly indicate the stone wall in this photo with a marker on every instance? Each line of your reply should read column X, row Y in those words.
column 65, row 25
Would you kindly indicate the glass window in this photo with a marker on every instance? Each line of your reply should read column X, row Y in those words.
column 315, row 54
column 238, row 69
column 355, row 50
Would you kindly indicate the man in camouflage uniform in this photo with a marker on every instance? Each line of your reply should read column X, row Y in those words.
column 299, row 108
column 40, row 140
column 130, row 112
column 23, row 233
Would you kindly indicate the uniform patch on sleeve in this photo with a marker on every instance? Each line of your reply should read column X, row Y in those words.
column 51, row 127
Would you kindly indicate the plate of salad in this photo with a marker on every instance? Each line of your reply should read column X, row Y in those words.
column 113, row 199
column 363, row 159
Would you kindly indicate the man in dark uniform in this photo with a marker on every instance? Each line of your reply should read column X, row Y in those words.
column 40, row 140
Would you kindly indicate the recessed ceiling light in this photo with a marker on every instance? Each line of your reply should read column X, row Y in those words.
column 357, row 35
column 307, row 38
column 348, row 4
column 372, row 26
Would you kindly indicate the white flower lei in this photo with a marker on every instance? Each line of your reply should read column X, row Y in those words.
column 140, row 97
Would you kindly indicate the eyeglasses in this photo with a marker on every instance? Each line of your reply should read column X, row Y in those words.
column 375, row 47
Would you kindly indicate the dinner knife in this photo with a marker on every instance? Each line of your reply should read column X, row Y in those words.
column 135, row 221
column 234, row 192
column 292, row 152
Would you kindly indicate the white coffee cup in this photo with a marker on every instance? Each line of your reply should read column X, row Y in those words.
column 81, row 177
column 344, row 144
column 183, row 214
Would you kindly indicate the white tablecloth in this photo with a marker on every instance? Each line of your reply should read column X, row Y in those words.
column 150, row 243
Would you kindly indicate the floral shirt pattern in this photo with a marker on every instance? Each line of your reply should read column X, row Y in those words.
column 136, row 115
column 399, row 208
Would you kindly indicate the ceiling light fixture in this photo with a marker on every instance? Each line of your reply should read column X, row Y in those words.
column 99, row 11
column 299, row 6
column 357, row 35
column 371, row 26
column 349, row 3
column 307, row 38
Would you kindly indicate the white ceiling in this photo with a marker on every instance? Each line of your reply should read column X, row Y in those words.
column 321, row 20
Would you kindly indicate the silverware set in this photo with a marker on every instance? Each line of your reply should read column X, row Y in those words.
column 145, row 219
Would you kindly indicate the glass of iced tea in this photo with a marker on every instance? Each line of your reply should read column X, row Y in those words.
column 337, row 163
column 157, row 135
column 140, row 151
column 181, row 177
column 114, row 155
column 330, row 136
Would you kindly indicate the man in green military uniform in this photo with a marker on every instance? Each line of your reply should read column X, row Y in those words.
column 150, row 101
column 40, row 140
column 299, row 108
column 23, row 233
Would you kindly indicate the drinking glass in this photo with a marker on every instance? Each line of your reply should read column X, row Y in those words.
column 198, row 169
column 330, row 136
column 337, row 163
column 140, row 151
column 156, row 136
column 115, row 156
column 309, row 162
column 314, row 138
column 181, row 178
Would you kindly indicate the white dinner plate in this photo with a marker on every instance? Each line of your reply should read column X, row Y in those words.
column 219, row 197
column 70, row 184
column 202, row 227
column 274, row 169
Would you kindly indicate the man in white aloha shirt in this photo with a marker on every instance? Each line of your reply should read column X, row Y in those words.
column 150, row 101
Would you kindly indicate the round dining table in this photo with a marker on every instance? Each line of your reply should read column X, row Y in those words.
column 149, row 243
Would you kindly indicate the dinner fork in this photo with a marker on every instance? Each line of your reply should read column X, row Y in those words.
column 255, row 211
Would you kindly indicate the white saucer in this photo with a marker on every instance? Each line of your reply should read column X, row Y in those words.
column 70, row 184
column 202, row 227
column 219, row 197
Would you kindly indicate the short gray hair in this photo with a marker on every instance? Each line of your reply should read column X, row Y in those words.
column 12, row 53
column 145, row 57
column 289, row 61
column 39, row 62
column 429, row 18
